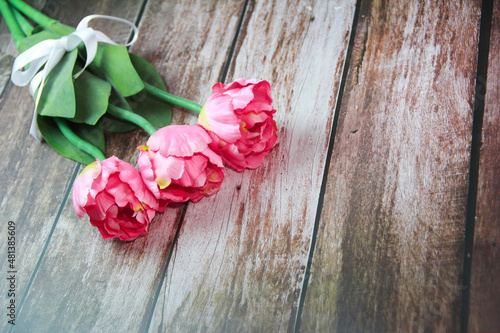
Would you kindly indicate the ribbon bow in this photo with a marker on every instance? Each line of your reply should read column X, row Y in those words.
column 49, row 52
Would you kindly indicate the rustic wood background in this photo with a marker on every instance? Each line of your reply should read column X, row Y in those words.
column 378, row 210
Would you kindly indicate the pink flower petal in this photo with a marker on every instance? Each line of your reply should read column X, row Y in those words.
column 167, row 168
column 194, row 167
column 179, row 177
column 179, row 140
column 252, row 106
column 220, row 87
column 82, row 186
column 147, row 173
column 218, row 116
column 240, row 97
column 103, row 202
column 117, row 201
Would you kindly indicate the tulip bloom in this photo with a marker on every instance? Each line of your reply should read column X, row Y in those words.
column 177, row 165
column 115, row 198
column 239, row 118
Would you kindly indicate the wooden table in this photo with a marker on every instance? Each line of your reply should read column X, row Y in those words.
column 378, row 210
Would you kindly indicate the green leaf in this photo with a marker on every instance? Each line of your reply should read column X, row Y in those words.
column 58, row 95
column 92, row 95
column 156, row 112
column 112, row 63
column 92, row 134
column 53, row 136
column 36, row 38
column 115, row 125
column 147, row 72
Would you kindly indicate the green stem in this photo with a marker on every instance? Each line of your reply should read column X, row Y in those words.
column 172, row 99
column 132, row 117
column 42, row 19
column 26, row 27
column 32, row 13
column 10, row 20
column 77, row 141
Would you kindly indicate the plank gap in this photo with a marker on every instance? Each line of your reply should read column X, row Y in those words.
column 317, row 219
column 232, row 48
column 49, row 238
column 138, row 20
column 165, row 268
column 4, row 89
column 222, row 78
column 477, row 125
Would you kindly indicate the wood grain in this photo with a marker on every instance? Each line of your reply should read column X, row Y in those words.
column 240, row 259
column 85, row 283
column 8, row 52
column 31, row 203
column 34, row 179
column 389, row 252
column 485, row 280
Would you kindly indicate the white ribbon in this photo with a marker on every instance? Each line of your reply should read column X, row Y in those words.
column 49, row 52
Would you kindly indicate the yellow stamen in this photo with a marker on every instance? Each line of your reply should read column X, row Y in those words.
column 163, row 183
column 214, row 177
column 92, row 165
column 140, row 206
column 203, row 120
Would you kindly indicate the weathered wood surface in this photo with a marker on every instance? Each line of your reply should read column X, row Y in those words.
column 33, row 185
column 389, row 251
column 389, row 244
column 85, row 283
column 485, row 281
column 240, row 258
column 34, row 180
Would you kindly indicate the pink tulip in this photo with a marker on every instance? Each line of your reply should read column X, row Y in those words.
column 177, row 165
column 115, row 198
column 239, row 118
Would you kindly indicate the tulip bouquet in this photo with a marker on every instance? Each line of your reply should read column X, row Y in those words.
column 84, row 84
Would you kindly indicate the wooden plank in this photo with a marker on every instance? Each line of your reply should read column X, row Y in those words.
column 33, row 185
column 85, row 283
column 485, row 280
column 33, row 179
column 240, row 258
column 8, row 52
column 389, row 251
